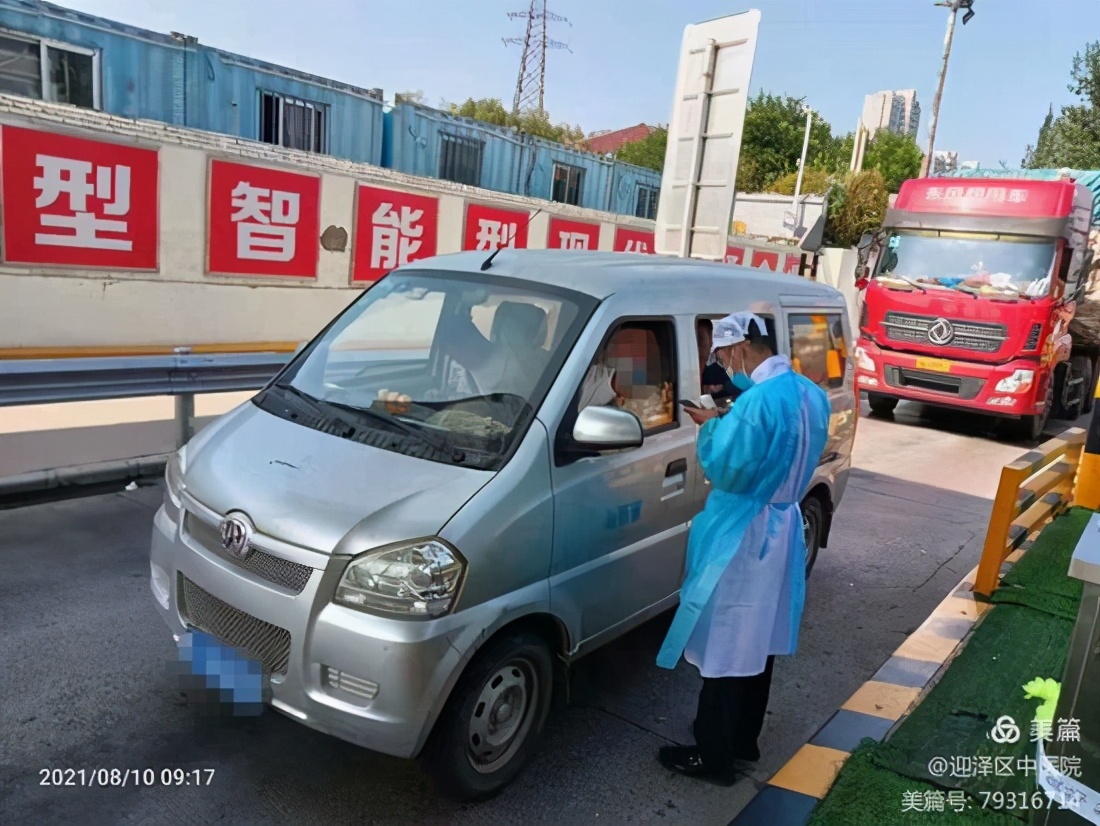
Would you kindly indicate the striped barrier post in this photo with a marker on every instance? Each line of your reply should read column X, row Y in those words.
column 1087, row 493
column 1033, row 490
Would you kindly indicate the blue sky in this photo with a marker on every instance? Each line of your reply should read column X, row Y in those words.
column 1007, row 65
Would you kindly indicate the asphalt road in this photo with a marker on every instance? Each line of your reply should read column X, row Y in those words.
column 84, row 681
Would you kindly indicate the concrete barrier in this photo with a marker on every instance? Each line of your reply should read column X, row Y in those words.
column 1087, row 488
column 1033, row 490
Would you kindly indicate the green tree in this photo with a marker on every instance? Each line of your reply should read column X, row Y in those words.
column 531, row 122
column 771, row 143
column 855, row 207
column 814, row 182
column 648, row 152
column 897, row 157
column 1073, row 137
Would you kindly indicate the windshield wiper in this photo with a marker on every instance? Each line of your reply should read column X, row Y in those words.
column 905, row 280
column 416, row 432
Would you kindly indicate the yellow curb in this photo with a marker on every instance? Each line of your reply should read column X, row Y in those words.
column 882, row 699
column 811, row 771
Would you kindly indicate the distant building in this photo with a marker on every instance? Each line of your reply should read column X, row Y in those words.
column 611, row 141
column 970, row 165
column 897, row 111
column 944, row 162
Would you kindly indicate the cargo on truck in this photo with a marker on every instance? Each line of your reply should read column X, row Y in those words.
column 970, row 291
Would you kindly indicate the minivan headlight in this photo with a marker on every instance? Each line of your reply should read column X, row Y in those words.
column 419, row 580
column 173, row 477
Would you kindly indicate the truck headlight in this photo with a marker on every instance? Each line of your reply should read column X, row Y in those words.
column 418, row 580
column 173, row 477
column 1019, row 382
column 864, row 361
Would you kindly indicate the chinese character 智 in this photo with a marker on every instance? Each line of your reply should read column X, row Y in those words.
column 263, row 221
column 74, row 202
column 266, row 221
column 392, row 229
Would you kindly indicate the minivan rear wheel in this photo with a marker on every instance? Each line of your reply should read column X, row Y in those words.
column 493, row 719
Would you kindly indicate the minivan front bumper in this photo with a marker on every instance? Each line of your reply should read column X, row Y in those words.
column 376, row 682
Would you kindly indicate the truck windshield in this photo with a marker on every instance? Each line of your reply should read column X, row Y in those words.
column 438, row 365
column 983, row 266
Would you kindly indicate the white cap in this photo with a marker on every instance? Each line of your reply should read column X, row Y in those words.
column 734, row 328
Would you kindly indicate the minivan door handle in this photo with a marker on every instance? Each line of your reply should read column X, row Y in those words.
column 675, row 479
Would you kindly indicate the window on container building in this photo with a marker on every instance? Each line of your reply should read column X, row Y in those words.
column 647, row 203
column 460, row 159
column 293, row 123
column 568, row 184
column 46, row 70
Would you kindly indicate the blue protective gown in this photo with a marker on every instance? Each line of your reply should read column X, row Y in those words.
column 745, row 583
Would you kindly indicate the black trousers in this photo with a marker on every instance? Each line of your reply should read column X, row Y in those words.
column 730, row 717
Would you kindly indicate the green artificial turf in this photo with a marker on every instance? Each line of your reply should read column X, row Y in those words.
column 1039, row 580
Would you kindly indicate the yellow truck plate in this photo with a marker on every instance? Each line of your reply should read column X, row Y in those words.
column 938, row 365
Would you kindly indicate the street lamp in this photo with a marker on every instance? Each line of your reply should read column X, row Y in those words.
column 953, row 6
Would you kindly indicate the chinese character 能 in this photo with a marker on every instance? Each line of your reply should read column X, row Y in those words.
column 912, row 802
column 573, row 240
column 266, row 219
column 933, row 800
column 1017, row 196
column 1069, row 729
column 996, row 193
column 395, row 236
column 1041, row 729
column 956, row 799
column 66, row 176
column 962, row 765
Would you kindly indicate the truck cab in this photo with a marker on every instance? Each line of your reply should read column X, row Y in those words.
column 969, row 290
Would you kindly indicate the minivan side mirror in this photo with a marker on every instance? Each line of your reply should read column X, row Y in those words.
column 607, row 428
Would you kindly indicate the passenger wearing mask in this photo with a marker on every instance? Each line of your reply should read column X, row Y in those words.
column 714, row 380
column 744, row 588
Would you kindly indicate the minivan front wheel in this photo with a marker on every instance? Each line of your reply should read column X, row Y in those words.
column 492, row 721
column 813, row 522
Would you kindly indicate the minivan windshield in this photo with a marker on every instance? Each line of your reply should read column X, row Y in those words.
column 444, row 366
column 1001, row 266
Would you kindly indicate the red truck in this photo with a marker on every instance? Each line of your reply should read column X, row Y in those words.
column 968, row 292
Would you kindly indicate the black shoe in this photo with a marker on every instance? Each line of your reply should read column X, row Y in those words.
column 687, row 760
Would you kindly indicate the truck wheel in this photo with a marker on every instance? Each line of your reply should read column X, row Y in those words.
column 1030, row 428
column 813, row 521
column 493, row 718
column 1081, row 366
column 881, row 405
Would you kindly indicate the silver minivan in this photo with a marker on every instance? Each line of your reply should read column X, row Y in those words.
column 477, row 473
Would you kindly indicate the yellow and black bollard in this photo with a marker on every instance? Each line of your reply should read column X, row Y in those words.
column 1087, row 489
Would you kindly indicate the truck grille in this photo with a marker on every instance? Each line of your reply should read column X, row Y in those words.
column 261, row 641
column 969, row 335
column 290, row 575
column 959, row 386
column 1033, row 336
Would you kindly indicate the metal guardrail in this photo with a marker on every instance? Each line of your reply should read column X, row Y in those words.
column 1032, row 491
column 182, row 375
column 44, row 381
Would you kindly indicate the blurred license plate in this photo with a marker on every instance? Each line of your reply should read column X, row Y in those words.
column 937, row 365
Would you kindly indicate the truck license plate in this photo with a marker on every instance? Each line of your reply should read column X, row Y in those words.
column 938, row 365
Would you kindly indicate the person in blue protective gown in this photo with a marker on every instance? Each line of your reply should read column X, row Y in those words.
column 744, row 587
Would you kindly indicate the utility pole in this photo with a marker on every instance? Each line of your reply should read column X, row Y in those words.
column 953, row 7
column 801, row 167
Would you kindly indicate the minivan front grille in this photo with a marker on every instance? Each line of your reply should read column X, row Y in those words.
column 290, row 575
column 261, row 641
